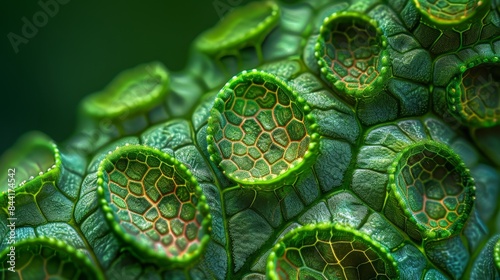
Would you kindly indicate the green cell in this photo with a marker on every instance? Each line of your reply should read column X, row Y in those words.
column 165, row 185
column 280, row 136
column 264, row 142
column 47, row 258
column 267, row 101
column 161, row 226
column 282, row 114
column 265, row 119
column 351, row 52
column 256, row 92
column 449, row 12
column 239, row 149
column 169, row 206
column 274, row 120
column 472, row 96
column 151, row 177
column 431, row 198
column 177, row 227
column 191, row 231
column 233, row 118
column 330, row 251
column 152, row 214
column 135, row 188
column 118, row 190
column 158, row 202
column 296, row 130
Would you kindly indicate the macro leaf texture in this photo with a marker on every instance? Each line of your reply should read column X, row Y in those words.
column 304, row 140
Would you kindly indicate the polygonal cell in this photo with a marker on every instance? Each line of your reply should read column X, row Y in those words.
column 233, row 133
column 152, row 214
column 265, row 119
column 279, row 125
column 280, row 136
column 162, row 226
column 183, row 194
column 351, row 51
column 233, row 118
column 244, row 162
column 169, row 206
column 239, row 149
column 177, row 226
column 135, row 188
column 165, row 185
column 275, row 153
column 296, row 130
column 264, row 142
column 329, row 251
column 152, row 176
column 473, row 95
column 192, row 231
column 155, row 208
column 251, row 130
column 441, row 186
column 283, row 115
column 137, row 205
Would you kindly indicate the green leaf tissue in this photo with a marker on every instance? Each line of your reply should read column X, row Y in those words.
column 355, row 139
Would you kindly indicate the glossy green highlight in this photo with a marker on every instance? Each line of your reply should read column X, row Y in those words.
column 133, row 91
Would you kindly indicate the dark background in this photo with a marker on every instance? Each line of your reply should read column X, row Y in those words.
column 81, row 48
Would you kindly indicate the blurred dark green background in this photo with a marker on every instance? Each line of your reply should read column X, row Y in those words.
column 81, row 48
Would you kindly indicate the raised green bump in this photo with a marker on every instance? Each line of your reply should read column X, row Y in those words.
column 434, row 189
column 133, row 91
column 260, row 131
column 246, row 26
column 473, row 96
column 351, row 52
column 154, row 204
column 35, row 158
column 46, row 258
column 329, row 251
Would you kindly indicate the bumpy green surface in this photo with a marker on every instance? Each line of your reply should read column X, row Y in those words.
column 319, row 139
